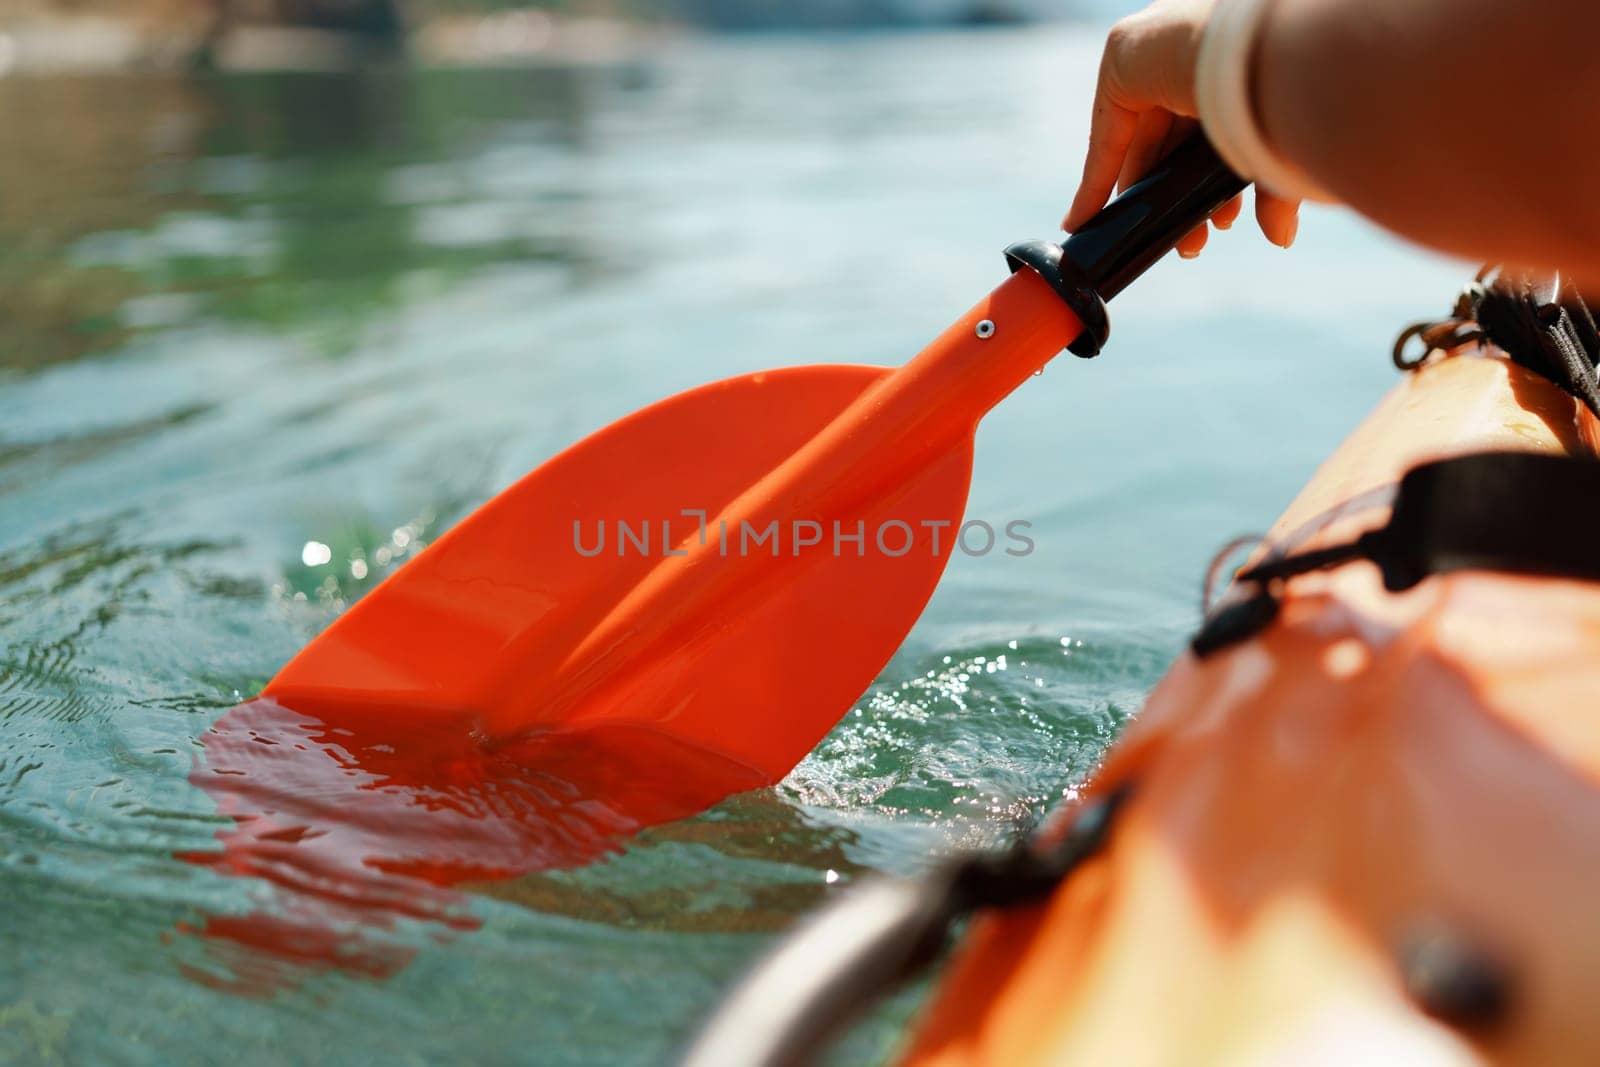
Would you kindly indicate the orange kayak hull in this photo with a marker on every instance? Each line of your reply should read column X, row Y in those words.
column 1318, row 809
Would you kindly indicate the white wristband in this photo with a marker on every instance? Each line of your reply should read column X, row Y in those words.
column 1227, row 111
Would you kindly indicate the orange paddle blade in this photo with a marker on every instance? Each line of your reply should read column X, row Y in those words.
column 732, row 566
column 500, row 619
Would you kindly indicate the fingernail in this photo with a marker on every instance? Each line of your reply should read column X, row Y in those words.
column 1221, row 225
column 1188, row 255
column 1294, row 231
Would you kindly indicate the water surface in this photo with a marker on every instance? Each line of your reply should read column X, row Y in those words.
column 245, row 315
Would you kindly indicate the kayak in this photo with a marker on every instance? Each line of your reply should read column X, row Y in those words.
column 1367, row 833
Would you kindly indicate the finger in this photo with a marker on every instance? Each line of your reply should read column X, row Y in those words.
column 1228, row 213
column 1146, row 148
column 1111, row 131
column 1279, row 218
column 1194, row 241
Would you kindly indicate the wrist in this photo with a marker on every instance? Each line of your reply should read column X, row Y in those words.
column 1226, row 99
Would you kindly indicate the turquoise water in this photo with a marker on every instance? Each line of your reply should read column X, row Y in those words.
column 241, row 315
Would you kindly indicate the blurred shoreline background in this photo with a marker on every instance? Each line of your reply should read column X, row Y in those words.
column 57, row 36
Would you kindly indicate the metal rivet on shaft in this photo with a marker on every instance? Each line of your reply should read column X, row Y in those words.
column 986, row 329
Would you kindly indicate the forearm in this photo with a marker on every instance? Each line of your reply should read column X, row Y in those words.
column 1469, row 125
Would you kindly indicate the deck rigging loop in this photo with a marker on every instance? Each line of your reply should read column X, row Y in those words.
column 1539, row 320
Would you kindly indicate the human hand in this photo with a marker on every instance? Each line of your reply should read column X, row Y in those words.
column 1145, row 106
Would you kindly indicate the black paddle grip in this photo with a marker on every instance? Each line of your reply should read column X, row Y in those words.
column 1130, row 234
column 1145, row 223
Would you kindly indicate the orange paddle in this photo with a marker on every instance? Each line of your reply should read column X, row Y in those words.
column 523, row 693
column 729, row 642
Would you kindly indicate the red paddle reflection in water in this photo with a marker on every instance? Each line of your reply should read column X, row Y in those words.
column 363, row 829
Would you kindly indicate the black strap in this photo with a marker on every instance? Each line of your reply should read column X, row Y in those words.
column 1539, row 320
column 1522, row 512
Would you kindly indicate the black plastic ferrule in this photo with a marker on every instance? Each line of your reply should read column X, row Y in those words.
column 1044, row 258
